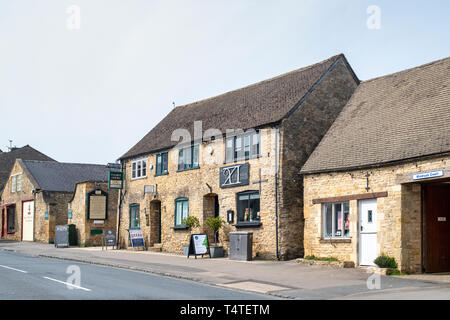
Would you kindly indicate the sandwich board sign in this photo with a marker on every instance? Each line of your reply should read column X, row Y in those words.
column 136, row 238
column 109, row 238
column 199, row 245
column 62, row 236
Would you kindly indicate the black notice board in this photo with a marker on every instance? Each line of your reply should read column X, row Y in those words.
column 62, row 236
column 109, row 238
column 199, row 245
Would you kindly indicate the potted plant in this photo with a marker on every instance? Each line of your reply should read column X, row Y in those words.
column 190, row 222
column 215, row 224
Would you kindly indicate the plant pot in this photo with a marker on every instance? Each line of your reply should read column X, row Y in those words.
column 185, row 250
column 216, row 251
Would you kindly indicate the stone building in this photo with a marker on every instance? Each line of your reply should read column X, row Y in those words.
column 379, row 181
column 7, row 160
column 36, row 196
column 238, row 153
column 93, row 209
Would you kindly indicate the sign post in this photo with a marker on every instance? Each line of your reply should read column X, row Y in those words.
column 199, row 245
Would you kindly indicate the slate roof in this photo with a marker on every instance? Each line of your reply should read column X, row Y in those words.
column 398, row 117
column 253, row 106
column 59, row 176
column 7, row 160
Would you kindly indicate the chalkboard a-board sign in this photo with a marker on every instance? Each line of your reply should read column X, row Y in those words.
column 109, row 238
column 199, row 245
column 62, row 236
column 136, row 238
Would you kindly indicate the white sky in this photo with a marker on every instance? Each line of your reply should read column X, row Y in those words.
column 89, row 95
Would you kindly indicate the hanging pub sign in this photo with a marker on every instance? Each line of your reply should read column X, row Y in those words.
column 115, row 180
column 136, row 238
column 233, row 176
column 97, row 205
column 199, row 245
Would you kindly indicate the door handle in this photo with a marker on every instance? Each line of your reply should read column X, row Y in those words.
column 362, row 228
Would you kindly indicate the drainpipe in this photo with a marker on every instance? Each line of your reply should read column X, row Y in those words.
column 276, row 194
column 120, row 207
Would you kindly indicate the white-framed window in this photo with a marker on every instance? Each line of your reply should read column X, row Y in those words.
column 139, row 169
column 19, row 182
column 13, row 183
column 336, row 223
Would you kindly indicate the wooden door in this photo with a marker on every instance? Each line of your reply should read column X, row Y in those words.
column 3, row 222
column 437, row 226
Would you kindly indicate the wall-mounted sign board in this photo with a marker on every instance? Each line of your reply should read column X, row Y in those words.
column 115, row 180
column 198, row 245
column 97, row 205
column 427, row 175
column 233, row 176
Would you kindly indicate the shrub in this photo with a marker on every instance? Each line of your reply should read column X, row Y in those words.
column 385, row 261
column 214, row 224
column 191, row 222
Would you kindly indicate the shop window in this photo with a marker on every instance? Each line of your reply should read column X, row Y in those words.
column 139, row 169
column 336, row 223
column 248, row 207
column 135, row 219
column 181, row 211
column 188, row 158
column 242, row 147
column 162, row 163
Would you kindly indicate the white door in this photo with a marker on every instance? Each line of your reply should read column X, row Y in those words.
column 367, row 232
column 27, row 220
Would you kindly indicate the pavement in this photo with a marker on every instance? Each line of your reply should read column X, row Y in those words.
column 274, row 279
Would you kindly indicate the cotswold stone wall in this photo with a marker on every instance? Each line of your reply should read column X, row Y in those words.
column 399, row 214
column 193, row 184
column 78, row 205
column 16, row 197
column 301, row 132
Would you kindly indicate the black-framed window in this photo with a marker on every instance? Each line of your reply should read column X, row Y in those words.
column 181, row 211
column 135, row 218
column 248, row 207
column 188, row 157
column 162, row 163
column 139, row 169
column 336, row 223
column 242, row 147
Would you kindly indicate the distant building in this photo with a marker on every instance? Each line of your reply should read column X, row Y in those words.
column 249, row 177
column 36, row 196
column 379, row 181
column 7, row 160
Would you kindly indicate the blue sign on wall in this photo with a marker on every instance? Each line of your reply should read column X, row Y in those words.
column 46, row 215
column 69, row 214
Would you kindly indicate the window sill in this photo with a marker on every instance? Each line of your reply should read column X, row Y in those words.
column 132, row 179
column 162, row 174
column 181, row 170
column 253, row 224
column 242, row 159
column 180, row 227
column 335, row 240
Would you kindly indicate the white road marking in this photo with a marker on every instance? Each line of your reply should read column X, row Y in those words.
column 68, row 284
column 6, row 267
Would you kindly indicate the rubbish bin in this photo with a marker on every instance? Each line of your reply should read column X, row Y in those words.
column 241, row 244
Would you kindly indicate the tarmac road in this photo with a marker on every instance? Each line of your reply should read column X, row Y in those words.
column 28, row 278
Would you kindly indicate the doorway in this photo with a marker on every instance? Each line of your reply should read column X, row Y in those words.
column 437, row 227
column 28, row 221
column 155, row 222
column 3, row 222
column 210, row 210
column 367, row 232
